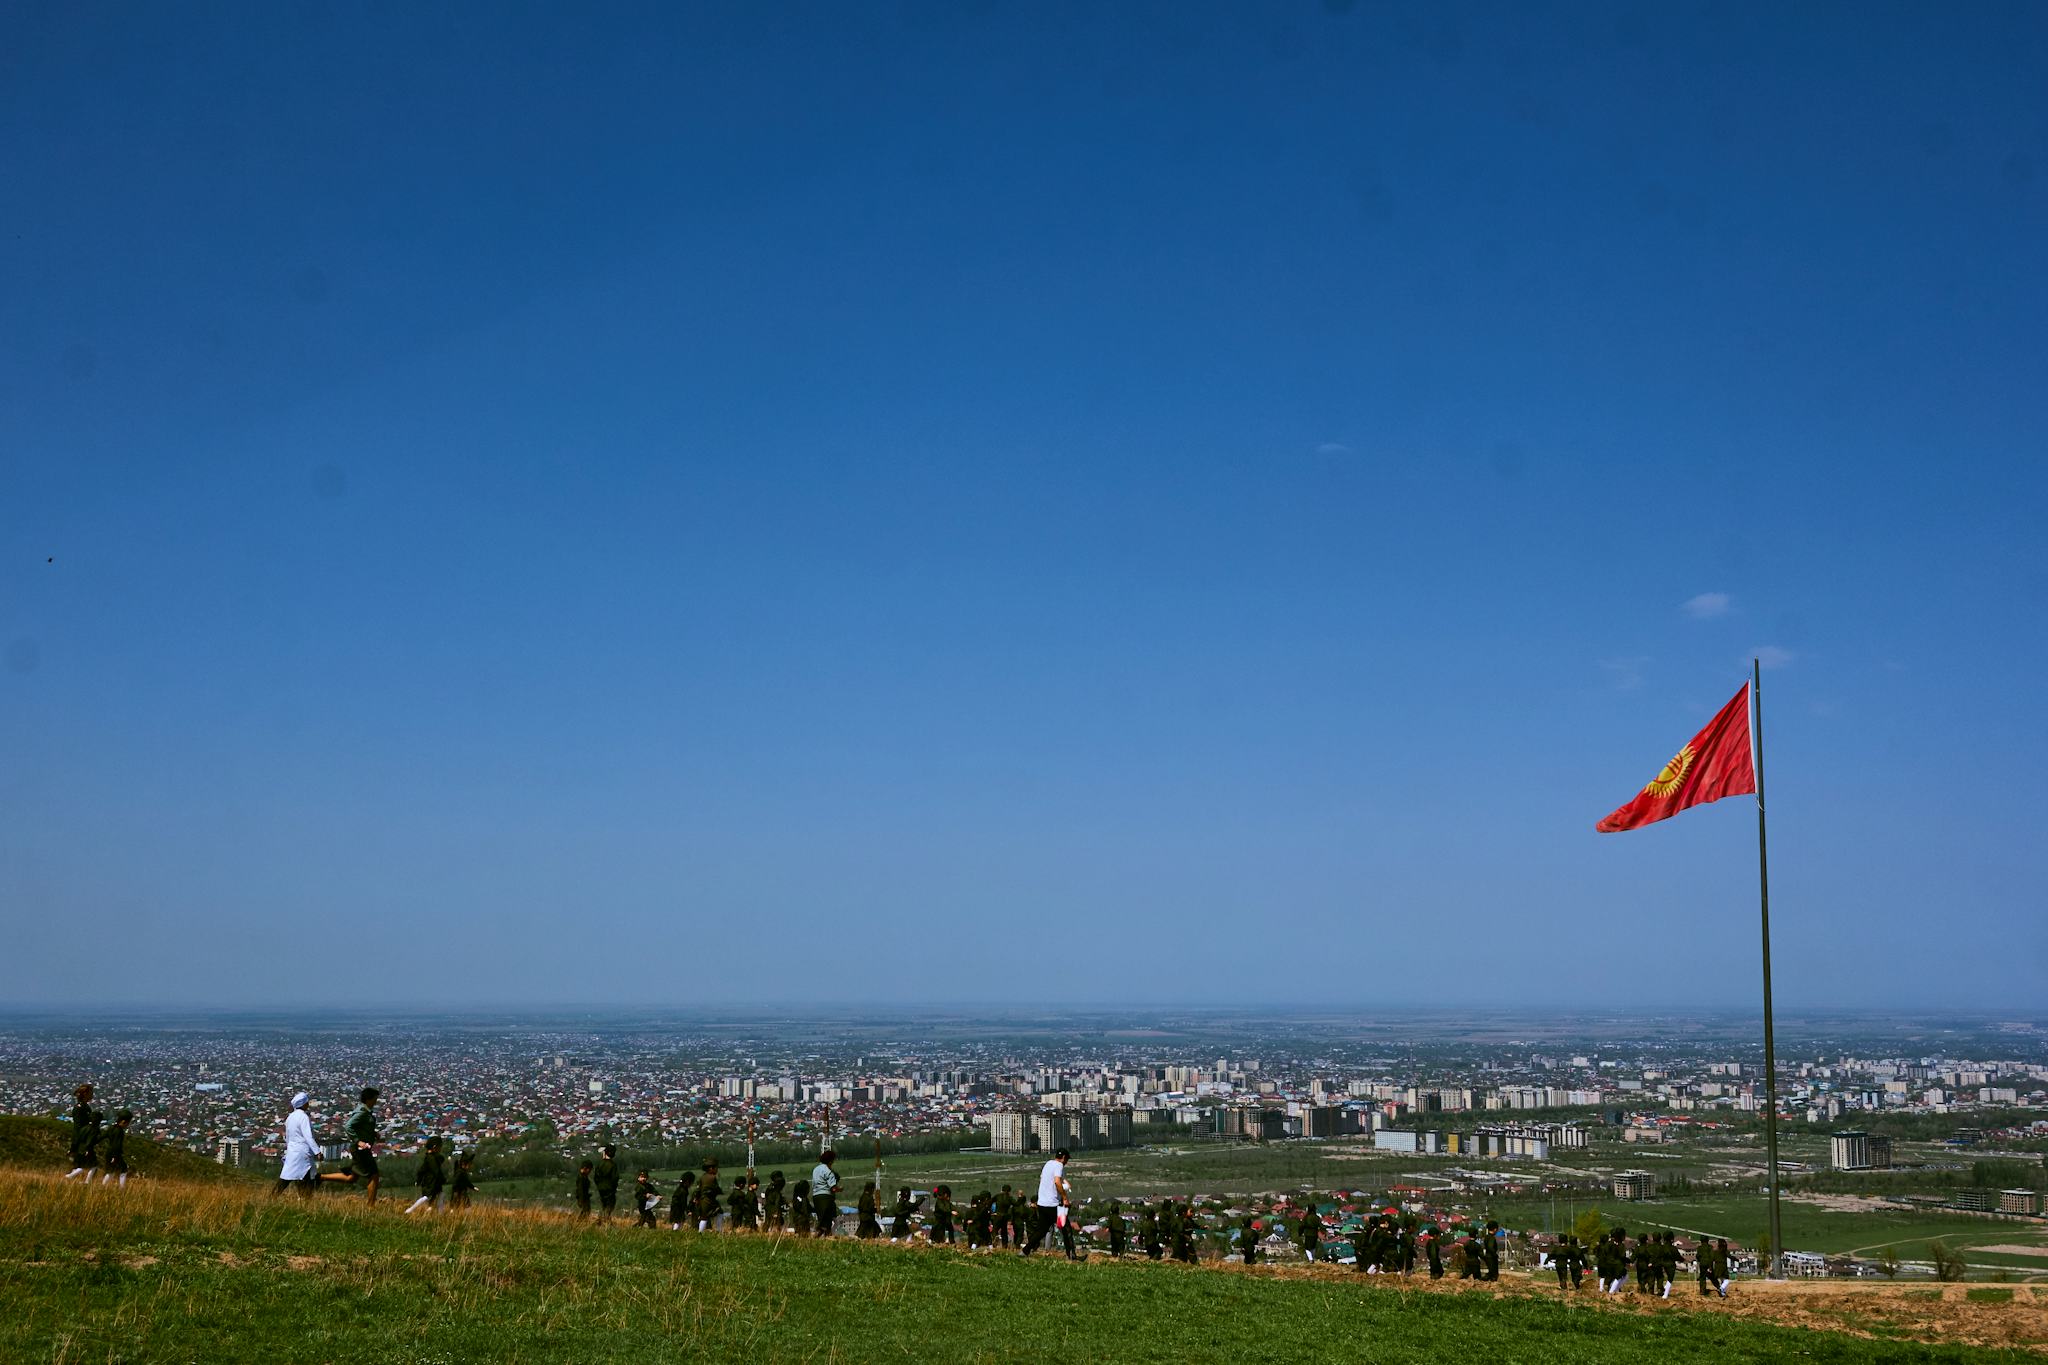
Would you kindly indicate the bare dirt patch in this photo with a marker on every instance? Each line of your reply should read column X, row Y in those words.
column 2013, row 1249
column 1840, row 1203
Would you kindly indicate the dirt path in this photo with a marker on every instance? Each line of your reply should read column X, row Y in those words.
column 1923, row 1312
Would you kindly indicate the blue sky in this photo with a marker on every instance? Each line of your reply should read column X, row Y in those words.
column 958, row 502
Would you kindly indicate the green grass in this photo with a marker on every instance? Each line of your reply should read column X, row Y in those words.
column 1988, row 1295
column 167, row 1272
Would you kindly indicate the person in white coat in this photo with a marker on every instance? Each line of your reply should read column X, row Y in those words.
column 301, row 1148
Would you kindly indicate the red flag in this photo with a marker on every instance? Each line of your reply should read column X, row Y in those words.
column 1716, row 764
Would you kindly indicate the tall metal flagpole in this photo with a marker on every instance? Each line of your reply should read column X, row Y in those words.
column 1763, row 870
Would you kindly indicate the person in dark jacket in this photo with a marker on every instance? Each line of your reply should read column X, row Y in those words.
column 1308, row 1233
column 1005, row 1204
column 1435, row 1251
column 363, row 1139
column 800, row 1211
column 981, row 1221
column 899, row 1219
column 645, row 1199
column 682, row 1201
column 774, row 1202
column 739, row 1207
column 1185, row 1231
column 465, row 1182
column 85, row 1134
column 710, row 1197
column 114, row 1149
column 429, row 1178
column 1114, row 1225
column 1489, row 1252
column 583, row 1189
column 605, row 1179
column 868, row 1211
column 1248, row 1240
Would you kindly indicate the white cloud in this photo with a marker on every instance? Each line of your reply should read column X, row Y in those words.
column 1626, row 674
column 1708, row 605
column 1771, row 656
column 1333, row 448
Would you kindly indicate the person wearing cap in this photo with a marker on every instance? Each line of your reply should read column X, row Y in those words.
column 301, row 1150
column 114, row 1160
column 1053, row 1191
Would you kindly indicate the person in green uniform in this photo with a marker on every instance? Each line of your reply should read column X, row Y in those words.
column 1248, row 1240
column 1433, row 1248
column 983, row 1219
column 583, row 1189
column 1148, row 1231
column 1610, row 1262
column 899, row 1218
column 682, row 1201
column 1114, row 1226
column 431, row 1176
column 1567, row 1260
column 1308, row 1232
column 710, row 1197
column 85, row 1134
column 1407, row 1245
column 1718, row 1275
column 363, row 1137
column 774, row 1201
column 605, row 1179
column 1185, row 1230
column 800, row 1209
column 739, row 1207
column 114, row 1156
column 1005, row 1203
column 942, row 1217
column 465, row 1183
column 645, row 1198
column 1489, row 1252
column 868, row 1211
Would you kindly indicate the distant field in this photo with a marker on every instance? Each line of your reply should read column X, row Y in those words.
column 1811, row 1228
column 178, row 1272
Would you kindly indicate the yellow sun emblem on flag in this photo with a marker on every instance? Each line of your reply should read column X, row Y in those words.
column 1672, row 776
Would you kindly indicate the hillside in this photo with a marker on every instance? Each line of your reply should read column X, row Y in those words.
column 171, row 1271
column 45, row 1144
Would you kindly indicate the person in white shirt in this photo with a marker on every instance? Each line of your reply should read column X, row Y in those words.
column 1053, row 1193
column 301, row 1148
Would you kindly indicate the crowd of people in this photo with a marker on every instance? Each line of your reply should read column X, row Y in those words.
column 1386, row 1244
column 1655, row 1258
